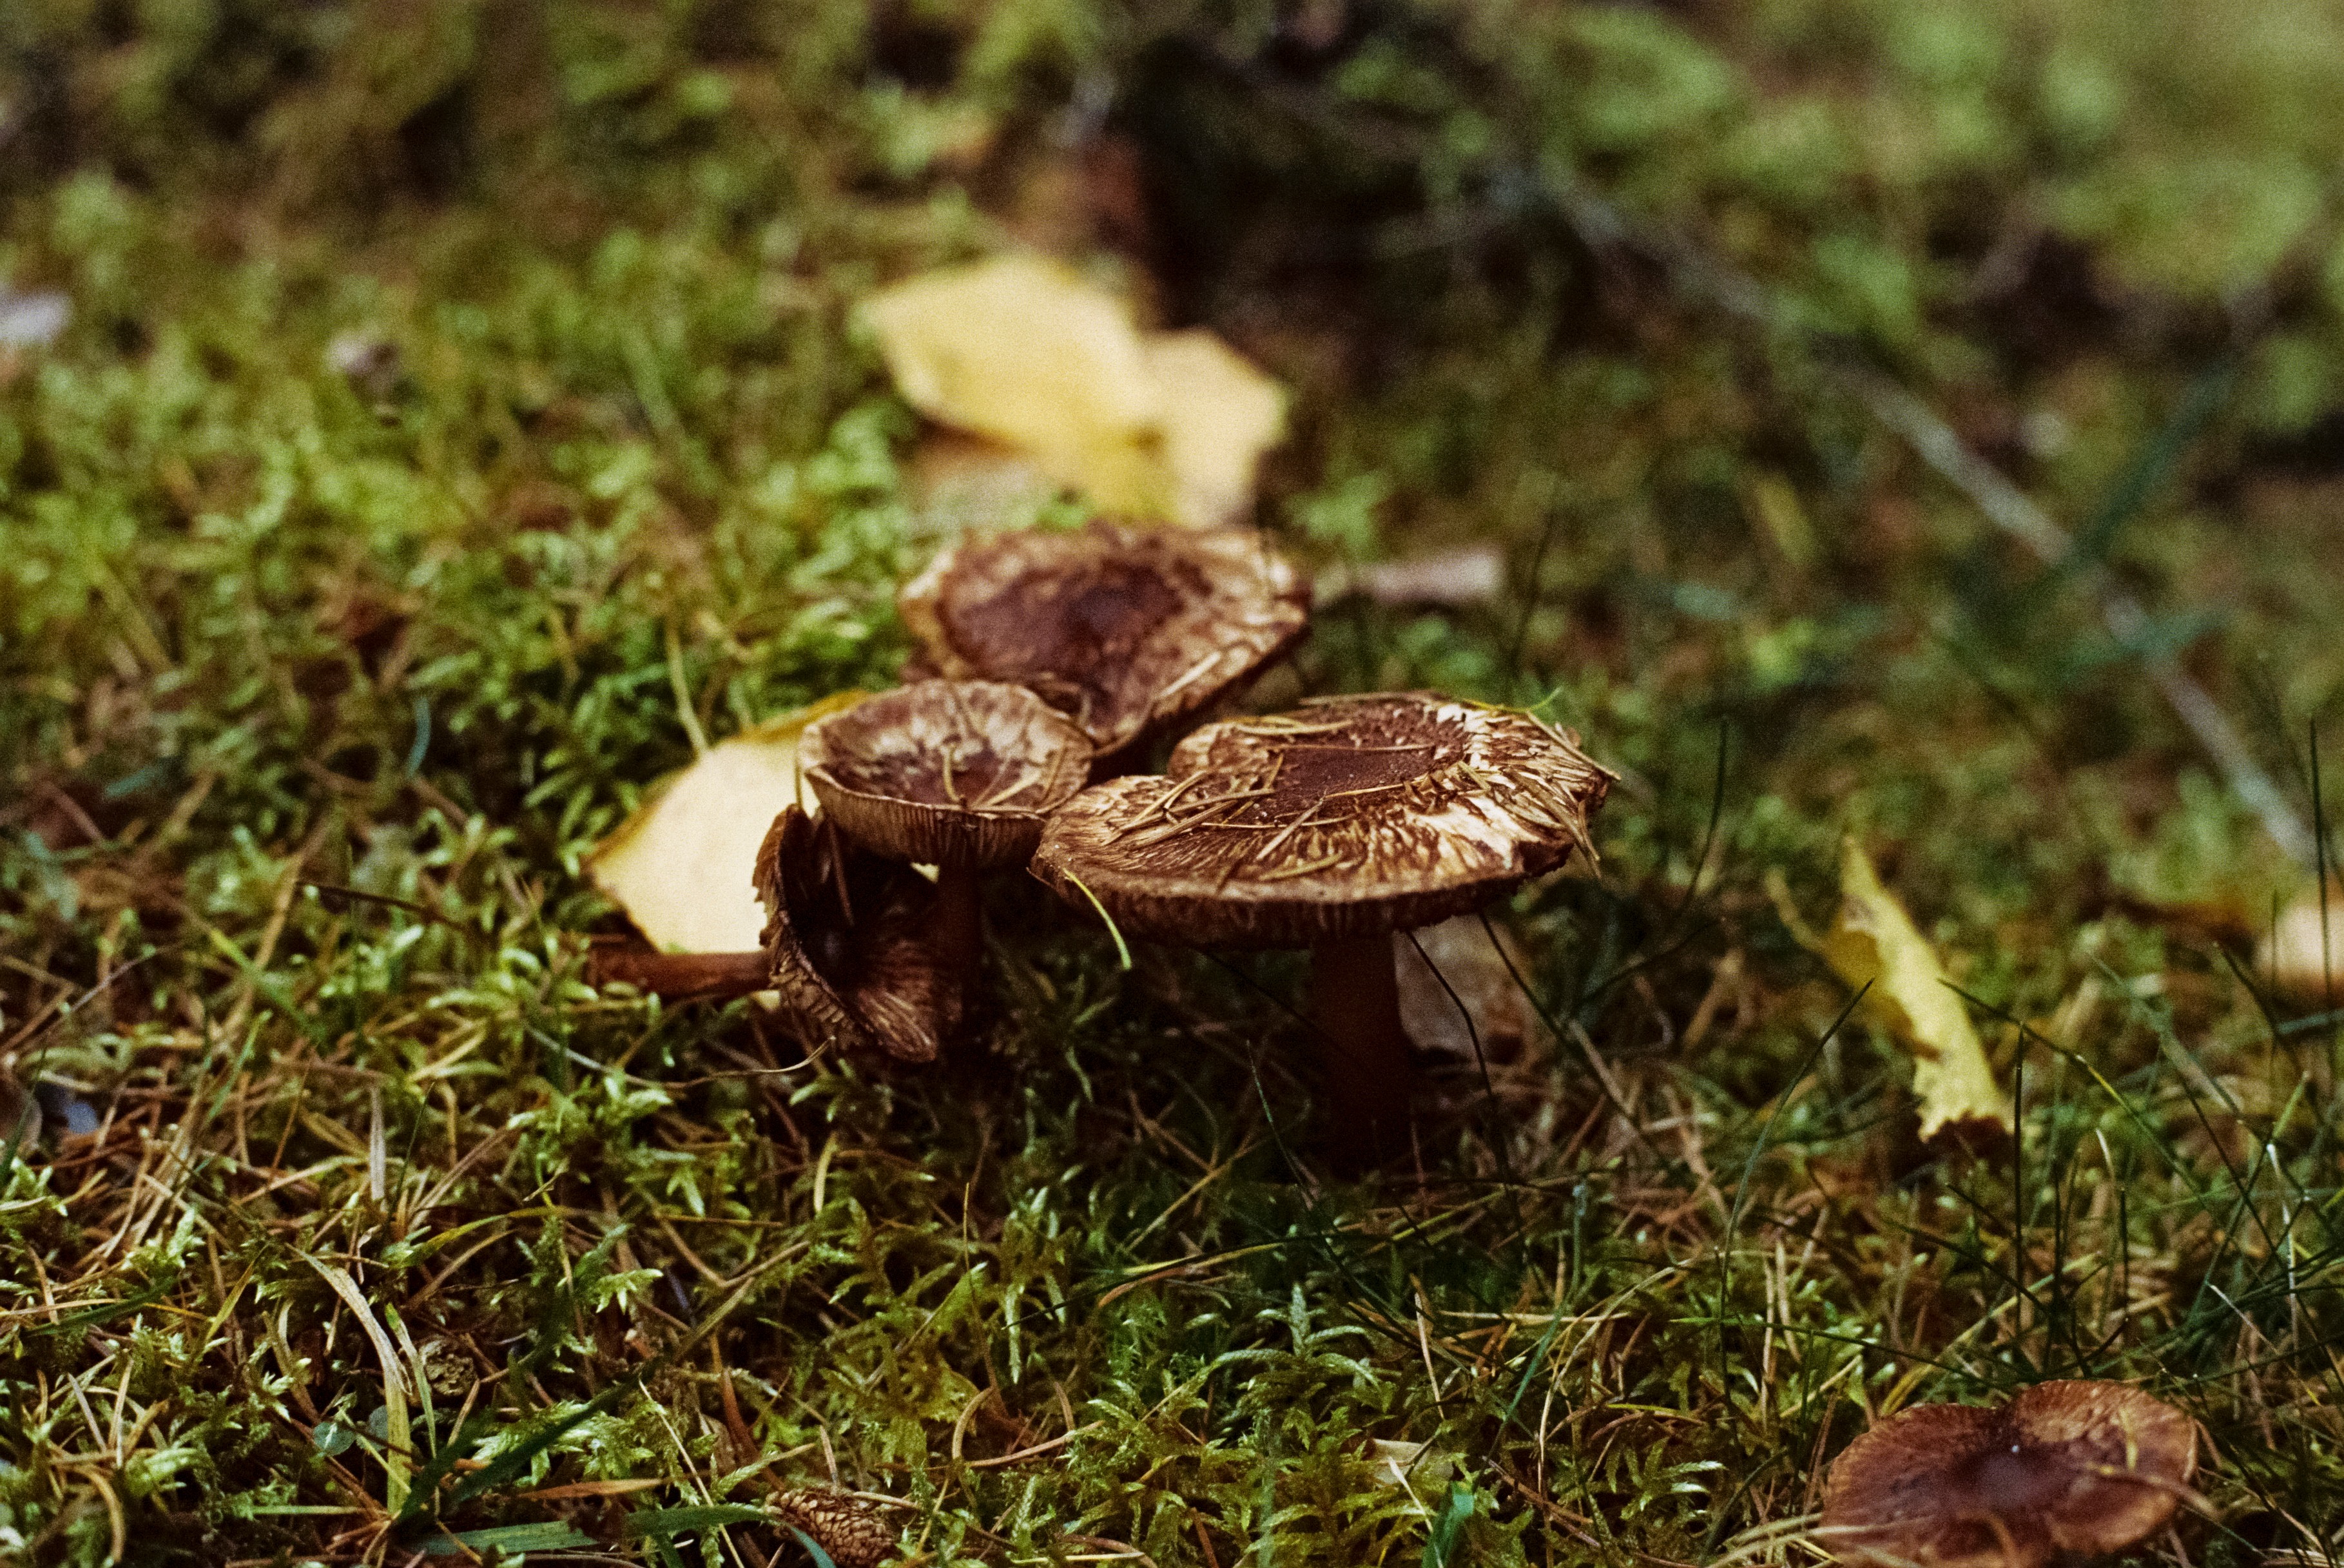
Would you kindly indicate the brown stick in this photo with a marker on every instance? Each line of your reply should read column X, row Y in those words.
column 679, row 975
column 1363, row 1052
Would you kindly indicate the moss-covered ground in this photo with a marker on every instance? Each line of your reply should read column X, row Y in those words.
column 460, row 406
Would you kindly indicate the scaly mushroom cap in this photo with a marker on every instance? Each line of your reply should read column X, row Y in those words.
column 946, row 773
column 2087, row 1468
column 1124, row 628
column 850, row 1532
column 1350, row 816
column 846, row 936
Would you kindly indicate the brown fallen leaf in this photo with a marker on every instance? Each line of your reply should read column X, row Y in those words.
column 1873, row 942
column 1409, row 1464
column 681, row 867
column 1025, row 351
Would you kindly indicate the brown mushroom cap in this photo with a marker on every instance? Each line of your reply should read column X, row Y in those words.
column 946, row 773
column 849, row 1531
column 2087, row 1468
column 847, row 937
column 1124, row 628
column 1350, row 816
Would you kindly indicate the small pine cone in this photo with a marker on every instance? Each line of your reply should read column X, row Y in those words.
column 851, row 1531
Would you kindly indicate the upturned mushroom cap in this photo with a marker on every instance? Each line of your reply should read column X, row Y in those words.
column 2086, row 1468
column 847, row 937
column 946, row 773
column 1350, row 816
column 1124, row 628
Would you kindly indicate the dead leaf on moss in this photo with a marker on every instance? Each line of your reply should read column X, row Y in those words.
column 1025, row 351
column 1407, row 1465
column 1219, row 416
column 2304, row 953
column 1873, row 942
column 681, row 867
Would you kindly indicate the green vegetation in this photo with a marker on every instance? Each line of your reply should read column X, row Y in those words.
column 460, row 406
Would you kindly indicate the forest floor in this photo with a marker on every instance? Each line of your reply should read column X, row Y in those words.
column 422, row 425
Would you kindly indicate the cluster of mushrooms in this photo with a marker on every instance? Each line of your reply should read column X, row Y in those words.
column 1052, row 664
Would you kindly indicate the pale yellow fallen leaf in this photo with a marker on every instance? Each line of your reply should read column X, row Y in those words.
column 1220, row 415
column 1025, row 351
column 1019, row 348
column 681, row 865
column 1873, row 942
column 2304, row 953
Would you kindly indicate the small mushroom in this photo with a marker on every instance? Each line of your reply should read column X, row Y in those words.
column 1127, row 628
column 850, row 1532
column 1331, row 828
column 956, row 775
column 2066, row 1467
column 847, row 944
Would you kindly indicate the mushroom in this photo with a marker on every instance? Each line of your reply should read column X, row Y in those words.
column 849, row 1531
column 1127, row 628
column 2086, row 1468
column 958, row 775
column 1332, row 828
column 847, row 944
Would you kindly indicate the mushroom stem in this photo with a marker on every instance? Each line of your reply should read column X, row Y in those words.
column 1363, row 1051
column 960, row 920
column 714, row 975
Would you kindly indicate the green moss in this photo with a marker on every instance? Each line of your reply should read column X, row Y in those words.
column 454, row 391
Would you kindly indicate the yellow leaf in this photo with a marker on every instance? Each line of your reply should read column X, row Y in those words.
column 1220, row 415
column 681, row 865
column 1025, row 351
column 1018, row 349
column 1875, row 942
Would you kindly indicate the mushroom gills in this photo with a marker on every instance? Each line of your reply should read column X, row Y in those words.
column 958, row 775
column 847, row 942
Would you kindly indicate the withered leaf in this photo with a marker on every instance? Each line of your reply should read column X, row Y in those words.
column 1027, row 352
column 682, row 866
column 1873, row 942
